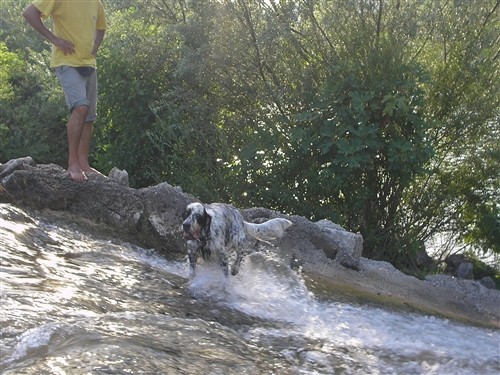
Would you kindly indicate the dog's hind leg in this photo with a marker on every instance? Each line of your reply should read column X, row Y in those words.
column 235, row 268
column 241, row 252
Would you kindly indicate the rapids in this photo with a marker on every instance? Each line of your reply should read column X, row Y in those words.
column 76, row 302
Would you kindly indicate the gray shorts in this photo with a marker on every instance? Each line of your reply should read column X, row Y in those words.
column 79, row 90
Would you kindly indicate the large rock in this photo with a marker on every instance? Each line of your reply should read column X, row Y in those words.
column 460, row 266
column 328, row 255
column 349, row 245
column 453, row 262
column 465, row 271
column 149, row 217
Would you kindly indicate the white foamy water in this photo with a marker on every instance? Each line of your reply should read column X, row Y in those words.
column 74, row 303
column 389, row 342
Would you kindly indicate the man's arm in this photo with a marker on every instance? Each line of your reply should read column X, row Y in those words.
column 99, row 36
column 34, row 18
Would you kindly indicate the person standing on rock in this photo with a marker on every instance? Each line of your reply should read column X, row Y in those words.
column 78, row 30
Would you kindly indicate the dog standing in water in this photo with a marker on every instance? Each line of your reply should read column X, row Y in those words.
column 216, row 231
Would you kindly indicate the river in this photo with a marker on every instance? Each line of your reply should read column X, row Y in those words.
column 77, row 302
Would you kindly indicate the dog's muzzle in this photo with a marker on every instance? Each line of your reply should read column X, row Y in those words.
column 188, row 232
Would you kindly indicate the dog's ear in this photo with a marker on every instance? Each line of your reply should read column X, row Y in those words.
column 185, row 214
column 207, row 219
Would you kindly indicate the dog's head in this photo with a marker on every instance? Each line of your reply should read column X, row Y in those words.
column 196, row 220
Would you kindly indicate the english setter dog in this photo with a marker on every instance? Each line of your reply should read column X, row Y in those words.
column 217, row 232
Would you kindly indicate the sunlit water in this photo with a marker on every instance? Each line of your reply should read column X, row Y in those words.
column 73, row 302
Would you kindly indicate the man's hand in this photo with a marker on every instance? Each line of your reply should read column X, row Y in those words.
column 67, row 47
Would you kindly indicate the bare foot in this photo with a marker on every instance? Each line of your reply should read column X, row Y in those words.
column 77, row 174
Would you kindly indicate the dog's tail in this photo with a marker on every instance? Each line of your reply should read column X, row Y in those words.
column 269, row 230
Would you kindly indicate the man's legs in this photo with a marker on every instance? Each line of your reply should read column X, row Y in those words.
column 88, row 127
column 78, row 149
column 81, row 98
column 84, row 147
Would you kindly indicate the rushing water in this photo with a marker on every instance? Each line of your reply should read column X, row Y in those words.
column 73, row 302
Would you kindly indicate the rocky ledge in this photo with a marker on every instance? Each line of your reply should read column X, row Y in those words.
column 329, row 256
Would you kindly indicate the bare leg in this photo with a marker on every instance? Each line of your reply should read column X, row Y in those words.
column 75, row 129
column 84, row 148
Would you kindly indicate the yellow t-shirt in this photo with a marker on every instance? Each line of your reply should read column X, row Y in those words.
column 76, row 21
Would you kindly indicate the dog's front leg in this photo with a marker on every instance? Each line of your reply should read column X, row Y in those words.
column 224, row 265
column 193, row 252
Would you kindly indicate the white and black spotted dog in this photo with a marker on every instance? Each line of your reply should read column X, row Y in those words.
column 217, row 232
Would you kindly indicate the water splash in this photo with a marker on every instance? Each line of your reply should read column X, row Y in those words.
column 35, row 338
column 335, row 336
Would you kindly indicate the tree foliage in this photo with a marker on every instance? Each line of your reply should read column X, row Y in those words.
column 32, row 109
column 381, row 115
column 460, row 190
